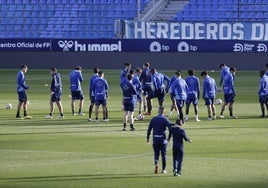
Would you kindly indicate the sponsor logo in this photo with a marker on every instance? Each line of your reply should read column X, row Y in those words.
column 183, row 47
column 88, row 47
column 238, row 47
column 261, row 47
column 65, row 45
column 155, row 47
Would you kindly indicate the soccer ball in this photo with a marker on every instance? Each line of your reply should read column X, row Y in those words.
column 218, row 101
column 140, row 117
column 8, row 106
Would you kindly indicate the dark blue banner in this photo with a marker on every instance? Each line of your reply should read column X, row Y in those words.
column 158, row 45
column 133, row 45
column 25, row 45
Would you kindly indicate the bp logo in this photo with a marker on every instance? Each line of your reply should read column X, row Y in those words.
column 65, row 45
column 155, row 47
column 183, row 47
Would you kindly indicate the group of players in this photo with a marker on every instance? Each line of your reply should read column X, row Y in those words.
column 141, row 86
column 98, row 93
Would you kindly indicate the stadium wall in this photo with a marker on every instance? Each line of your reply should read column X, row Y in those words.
column 115, row 60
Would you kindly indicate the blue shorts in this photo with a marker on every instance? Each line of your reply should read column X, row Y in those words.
column 92, row 99
column 192, row 100
column 77, row 95
column 22, row 97
column 101, row 102
column 129, row 106
column 229, row 98
column 55, row 97
column 180, row 103
column 263, row 98
column 209, row 101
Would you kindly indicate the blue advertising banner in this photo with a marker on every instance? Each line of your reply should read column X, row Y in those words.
column 197, row 30
column 158, row 45
column 25, row 45
column 133, row 45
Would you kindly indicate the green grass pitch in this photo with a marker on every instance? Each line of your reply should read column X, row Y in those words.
column 73, row 152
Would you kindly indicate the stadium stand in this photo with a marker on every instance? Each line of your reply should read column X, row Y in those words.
column 224, row 10
column 96, row 18
column 63, row 18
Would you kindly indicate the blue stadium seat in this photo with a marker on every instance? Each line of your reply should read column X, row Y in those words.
column 18, row 1
column 11, row 2
column 2, row 14
column 215, row 2
column 10, row 14
column 65, row 2
column 80, row 2
column 2, row 27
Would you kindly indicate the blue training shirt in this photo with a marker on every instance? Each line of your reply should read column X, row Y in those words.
column 129, row 91
column 136, row 82
column 92, row 79
column 193, row 87
column 178, row 134
column 178, row 89
column 224, row 72
column 209, row 87
column 100, row 88
column 56, row 84
column 158, row 80
column 76, row 79
column 172, row 79
column 159, row 124
column 21, row 83
column 146, row 78
column 263, row 88
column 124, row 74
column 228, row 84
